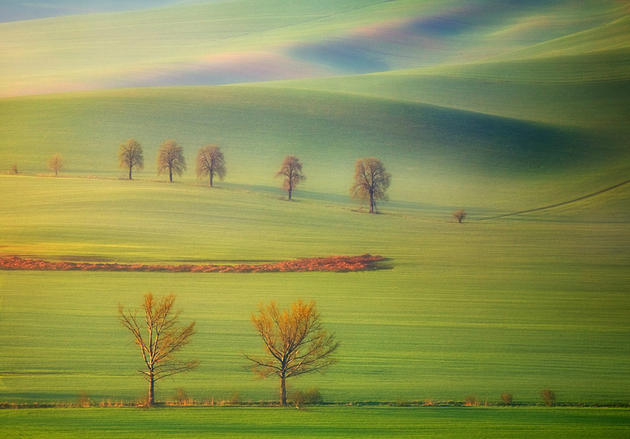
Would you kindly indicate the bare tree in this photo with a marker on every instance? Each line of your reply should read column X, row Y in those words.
column 370, row 181
column 55, row 163
column 171, row 158
column 291, row 170
column 459, row 215
column 159, row 337
column 295, row 343
column 130, row 156
column 210, row 162
column 548, row 397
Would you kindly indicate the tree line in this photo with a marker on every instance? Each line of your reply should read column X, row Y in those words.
column 371, row 180
column 294, row 341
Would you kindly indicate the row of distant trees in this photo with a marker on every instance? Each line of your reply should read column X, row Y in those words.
column 371, row 180
column 294, row 341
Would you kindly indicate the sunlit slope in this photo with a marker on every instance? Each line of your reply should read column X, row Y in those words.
column 607, row 36
column 436, row 155
column 590, row 91
column 249, row 40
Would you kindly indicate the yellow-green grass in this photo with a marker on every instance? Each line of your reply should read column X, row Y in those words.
column 331, row 422
column 481, row 308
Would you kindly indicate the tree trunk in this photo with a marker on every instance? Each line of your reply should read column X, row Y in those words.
column 130, row 172
column 283, row 390
column 151, row 396
column 211, row 177
column 372, row 206
column 170, row 174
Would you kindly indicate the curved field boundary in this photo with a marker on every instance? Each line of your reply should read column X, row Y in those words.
column 563, row 203
column 333, row 263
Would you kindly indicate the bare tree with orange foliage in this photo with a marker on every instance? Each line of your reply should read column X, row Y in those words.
column 291, row 170
column 295, row 343
column 159, row 337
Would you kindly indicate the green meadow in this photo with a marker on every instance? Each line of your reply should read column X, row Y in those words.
column 510, row 305
column 493, row 107
column 336, row 422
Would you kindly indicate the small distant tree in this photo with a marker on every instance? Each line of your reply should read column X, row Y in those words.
column 549, row 397
column 295, row 343
column 130, row 156
column 507, row 398
column 210, row 162
column 459, row 215
column 159, row 336
column 55, row 163
column 14, row 169
column 291, row 170
column 171, row 159
column 471, row 400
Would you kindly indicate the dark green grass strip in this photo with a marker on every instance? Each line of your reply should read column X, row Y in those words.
column 332, row 422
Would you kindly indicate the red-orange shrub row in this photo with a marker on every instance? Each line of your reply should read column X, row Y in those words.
column 332, row 263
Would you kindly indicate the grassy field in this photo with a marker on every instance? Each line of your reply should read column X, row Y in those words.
column 480, row 308
column 341, row 422
column 494, row 107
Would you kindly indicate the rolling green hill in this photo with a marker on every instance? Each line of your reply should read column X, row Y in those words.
column 232, row 41
column 492, row 106
column 437, row 155
column 588, row 90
